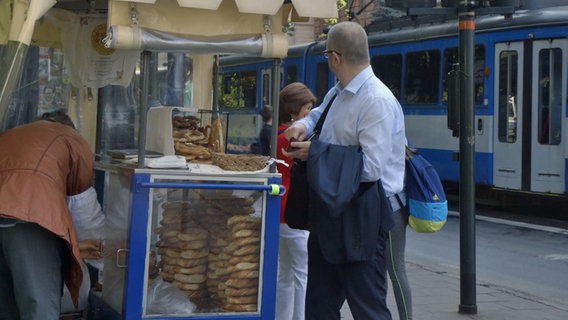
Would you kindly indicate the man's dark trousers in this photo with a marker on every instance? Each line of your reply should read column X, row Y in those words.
column 363, row 284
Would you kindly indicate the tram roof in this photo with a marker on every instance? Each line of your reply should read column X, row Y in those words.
column 430, row 27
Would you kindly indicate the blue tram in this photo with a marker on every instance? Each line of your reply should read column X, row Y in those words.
column 520, row 79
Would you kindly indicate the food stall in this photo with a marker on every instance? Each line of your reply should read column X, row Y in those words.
column 189, row 239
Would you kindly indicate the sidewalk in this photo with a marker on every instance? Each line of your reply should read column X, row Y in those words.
column 436, row 296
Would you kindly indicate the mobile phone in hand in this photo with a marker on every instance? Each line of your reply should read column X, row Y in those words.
column 290, row 148
column 309, row 138
column 312, row 136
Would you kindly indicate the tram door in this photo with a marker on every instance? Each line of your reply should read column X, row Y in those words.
column 507, row 124
column 548, row 115
column 530, row 159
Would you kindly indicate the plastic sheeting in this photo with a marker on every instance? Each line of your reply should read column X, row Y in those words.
column 90, row 64
column 19, row 38
column 165, row 26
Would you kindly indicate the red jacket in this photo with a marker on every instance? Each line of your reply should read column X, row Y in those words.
column 282, row 143
column 40, row 164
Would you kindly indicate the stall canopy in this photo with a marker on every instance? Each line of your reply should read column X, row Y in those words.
column 311, row 8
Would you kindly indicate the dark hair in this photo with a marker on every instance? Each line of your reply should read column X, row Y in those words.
column 266, row 113
column 291, row 100
column 58, row 116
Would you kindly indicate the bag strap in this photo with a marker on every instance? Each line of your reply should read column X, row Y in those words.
column 319, row 124
column 399, row 200
column 408, row 153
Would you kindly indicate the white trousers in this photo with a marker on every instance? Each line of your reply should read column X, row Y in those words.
column 292, row 273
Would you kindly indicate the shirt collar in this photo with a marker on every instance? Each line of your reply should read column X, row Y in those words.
column 355, row 84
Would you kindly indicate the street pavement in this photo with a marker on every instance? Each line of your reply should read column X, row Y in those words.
column 436, row 287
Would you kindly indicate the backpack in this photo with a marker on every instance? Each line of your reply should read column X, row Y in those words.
column 427, row 204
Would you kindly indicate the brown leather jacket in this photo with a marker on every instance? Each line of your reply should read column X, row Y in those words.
column 40, row 164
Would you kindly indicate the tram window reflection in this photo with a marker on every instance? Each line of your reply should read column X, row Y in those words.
column 239, row 90
column 291, row 74
column 422, row 77
column 322, row 81
column 451, row 58
column 388, row 68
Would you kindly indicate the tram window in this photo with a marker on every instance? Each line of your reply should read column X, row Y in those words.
column 507, row 108
column 291, row 74
column 388, row 68
column 249, row 85
column 421, row 80
column 227, row 79
column 451, row 58
column 322, row 81
column 239, row 90
column 549, row 96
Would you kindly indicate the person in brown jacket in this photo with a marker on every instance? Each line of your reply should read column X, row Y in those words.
column 41, row 163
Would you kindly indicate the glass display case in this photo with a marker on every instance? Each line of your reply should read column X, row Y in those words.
column 181, row 244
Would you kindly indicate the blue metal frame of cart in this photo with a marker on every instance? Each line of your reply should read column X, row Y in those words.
column 136, row 273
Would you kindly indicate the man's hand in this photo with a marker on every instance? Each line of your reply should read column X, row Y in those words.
column 297, row 131
column 90, row 249
column 298, row 150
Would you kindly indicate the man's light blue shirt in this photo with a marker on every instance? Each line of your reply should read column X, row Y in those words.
column 366, row 113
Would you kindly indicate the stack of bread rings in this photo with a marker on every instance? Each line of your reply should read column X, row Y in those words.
column 183, row 246
column 208, row 247
column 215, row 222
column 241, row 288
column 221, row 205
column 190, row 139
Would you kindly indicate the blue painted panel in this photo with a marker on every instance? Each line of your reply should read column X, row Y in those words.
column 449, row 170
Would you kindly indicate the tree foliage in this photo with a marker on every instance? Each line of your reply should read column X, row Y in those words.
column 342, row 9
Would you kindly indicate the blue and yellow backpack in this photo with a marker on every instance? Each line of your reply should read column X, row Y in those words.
column 426, row 199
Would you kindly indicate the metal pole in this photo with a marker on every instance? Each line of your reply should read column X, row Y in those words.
column 466, row 25
column 176, row 84
column 143, row 108
column 215, row 108
column 276, row 84
column 153, row 94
